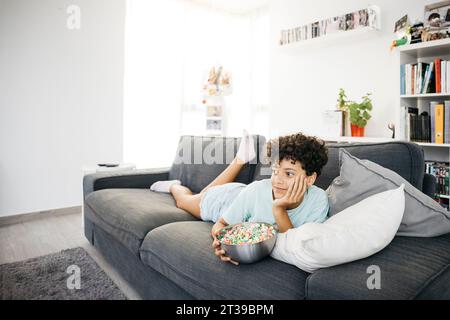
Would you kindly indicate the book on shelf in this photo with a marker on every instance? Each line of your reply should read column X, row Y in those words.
column 440, row 170
column 429, row 127
column 439, row 124
column 437, row 64
column 447, row 122
column 425, row 78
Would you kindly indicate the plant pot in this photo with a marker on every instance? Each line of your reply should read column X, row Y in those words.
column 357, row 131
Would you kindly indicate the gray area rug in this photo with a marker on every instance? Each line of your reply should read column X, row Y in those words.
column 57, row 277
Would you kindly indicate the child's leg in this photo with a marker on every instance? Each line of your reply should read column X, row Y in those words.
column 186, row 200
column 245, row 154
column 190, row 202
column 226, row 176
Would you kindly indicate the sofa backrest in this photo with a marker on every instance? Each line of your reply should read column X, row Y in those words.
column 200, row 159
column 404, row 158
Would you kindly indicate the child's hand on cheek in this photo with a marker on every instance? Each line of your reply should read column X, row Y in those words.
column 295, row 193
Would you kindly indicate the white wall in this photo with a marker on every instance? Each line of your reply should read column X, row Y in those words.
column 306, row 82
column 60, row 99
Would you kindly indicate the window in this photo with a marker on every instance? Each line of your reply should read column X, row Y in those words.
column 170, row 47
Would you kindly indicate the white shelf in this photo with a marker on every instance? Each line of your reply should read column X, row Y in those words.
column 427, row 49
column 358, row 139
column 428, row 144
column 213, row 118
column 327, row 39
column 443, row 196
column 427, row 95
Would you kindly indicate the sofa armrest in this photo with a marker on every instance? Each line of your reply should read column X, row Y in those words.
column 429, row 185
column 139, row 178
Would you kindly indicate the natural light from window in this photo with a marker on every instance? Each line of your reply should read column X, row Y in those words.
column 170, row 47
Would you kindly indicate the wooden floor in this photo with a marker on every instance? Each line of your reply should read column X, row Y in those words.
column 42, row 236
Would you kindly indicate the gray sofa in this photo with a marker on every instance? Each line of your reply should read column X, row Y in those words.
column 165, row 253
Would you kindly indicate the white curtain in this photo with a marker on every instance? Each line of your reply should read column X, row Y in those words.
column 170, row 47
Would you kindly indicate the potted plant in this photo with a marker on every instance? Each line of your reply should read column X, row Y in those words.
column 359, row 115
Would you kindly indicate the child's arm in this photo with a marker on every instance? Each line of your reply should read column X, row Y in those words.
column 282, row 219
column 293, row 196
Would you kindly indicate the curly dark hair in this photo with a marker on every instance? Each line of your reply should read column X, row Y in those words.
column 311, row 152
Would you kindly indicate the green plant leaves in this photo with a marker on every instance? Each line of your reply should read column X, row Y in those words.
column 359, row 112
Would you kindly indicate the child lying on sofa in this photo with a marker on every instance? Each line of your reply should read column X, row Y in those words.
column 289, row 198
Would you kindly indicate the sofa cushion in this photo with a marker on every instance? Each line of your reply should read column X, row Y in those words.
column 199, row 160
column 355, row 233
column 360, row 179
column 404, row 158
column 406, row 267
column 129, row 214
column 183, row 252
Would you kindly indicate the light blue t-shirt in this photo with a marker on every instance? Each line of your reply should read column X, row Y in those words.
column 254, row 204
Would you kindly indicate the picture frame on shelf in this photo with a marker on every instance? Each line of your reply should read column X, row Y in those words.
column 401, row 24
column 213, row 110
column 437, row 15
column 364, row 18
column 214, row 125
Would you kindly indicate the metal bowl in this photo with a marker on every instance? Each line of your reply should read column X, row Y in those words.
column 248, row 253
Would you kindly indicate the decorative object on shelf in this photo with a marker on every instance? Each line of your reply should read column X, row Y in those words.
column 334, row 123
column 416, row 32
column 437, row 21
column 214, row 115
column 218, row 82
column 403, row 32
column 359, row 115
column 217, row 85
column 391, row 126
column 436, row 26
column 437, row 15
column 364, row 18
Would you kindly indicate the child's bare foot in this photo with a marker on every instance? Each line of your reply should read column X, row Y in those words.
column 246, row 152
column 164, row 186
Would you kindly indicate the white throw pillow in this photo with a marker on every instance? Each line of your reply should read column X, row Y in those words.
column 354, row 233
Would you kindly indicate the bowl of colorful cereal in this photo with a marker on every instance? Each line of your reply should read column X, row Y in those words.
column 248, row 242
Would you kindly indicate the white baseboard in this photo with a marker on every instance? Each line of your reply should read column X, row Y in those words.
column 19, row 218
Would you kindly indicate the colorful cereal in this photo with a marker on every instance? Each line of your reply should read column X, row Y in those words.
column 247, row 233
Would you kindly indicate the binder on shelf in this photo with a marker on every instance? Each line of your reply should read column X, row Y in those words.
column 433, row 105
column 439, row 124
